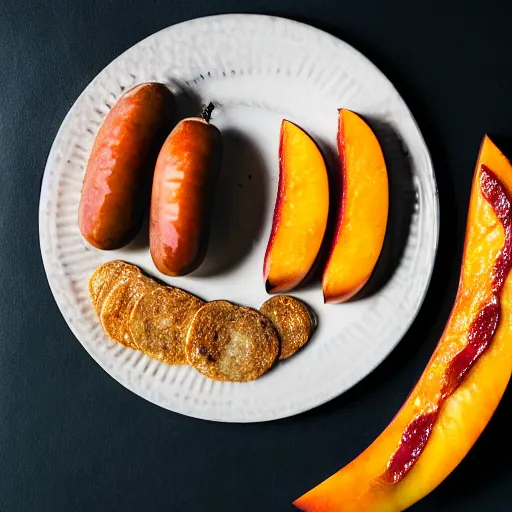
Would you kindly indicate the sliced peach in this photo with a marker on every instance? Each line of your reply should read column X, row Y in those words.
column 363, row 211
column 463, row 382
column 300, row 213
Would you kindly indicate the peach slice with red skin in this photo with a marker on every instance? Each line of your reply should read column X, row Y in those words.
column 463, row 382
column 300, row 213
column 363, row 211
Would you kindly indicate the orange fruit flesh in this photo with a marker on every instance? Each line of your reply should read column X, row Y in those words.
column 300, row 215
column 363, row 214
column 463, row 416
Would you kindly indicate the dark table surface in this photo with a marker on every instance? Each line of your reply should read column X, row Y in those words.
column 72, row 438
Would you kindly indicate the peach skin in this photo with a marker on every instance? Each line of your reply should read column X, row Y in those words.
column 300, row 213
column 464, row 380
column 363, row 211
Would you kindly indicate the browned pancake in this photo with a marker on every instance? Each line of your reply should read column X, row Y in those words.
column 227, row 342
column 292, row 320
column 118, row 306
column 105, row 278
column 159, row 323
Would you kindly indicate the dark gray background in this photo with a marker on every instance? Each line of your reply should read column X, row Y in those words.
column 73, row 439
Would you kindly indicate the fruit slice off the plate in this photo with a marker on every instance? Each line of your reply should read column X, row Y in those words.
column 463, row 382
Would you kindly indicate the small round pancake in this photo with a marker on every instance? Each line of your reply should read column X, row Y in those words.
column 227, row 342
column 118, row 306
column 159, row 323
column 292, row 320
column 105, row 277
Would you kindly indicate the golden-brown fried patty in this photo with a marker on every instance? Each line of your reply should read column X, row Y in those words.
column 292, row 320
column 118, row 306
column 227, row 342
column 159, row 323
column 104, row 279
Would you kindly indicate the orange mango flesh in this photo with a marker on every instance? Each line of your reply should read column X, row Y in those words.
column 363, row 214
column 464, row 415
column 300, row 214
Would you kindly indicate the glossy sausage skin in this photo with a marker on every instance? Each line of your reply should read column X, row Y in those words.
column 186, row 173
column 119, row 170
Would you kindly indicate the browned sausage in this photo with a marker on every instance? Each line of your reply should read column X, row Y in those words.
column 119, row 169
column 186, row 173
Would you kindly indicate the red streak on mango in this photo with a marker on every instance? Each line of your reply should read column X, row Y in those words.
column 413, row 441
column 480, row 335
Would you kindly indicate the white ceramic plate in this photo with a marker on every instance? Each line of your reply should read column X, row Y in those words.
column 257, row 70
